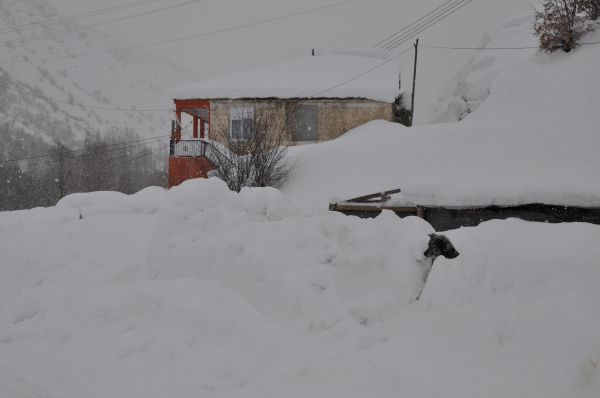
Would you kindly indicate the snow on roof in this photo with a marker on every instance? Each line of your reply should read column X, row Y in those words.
column 318, row 76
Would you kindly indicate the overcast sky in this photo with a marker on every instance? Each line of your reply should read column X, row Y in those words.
column 360, row 23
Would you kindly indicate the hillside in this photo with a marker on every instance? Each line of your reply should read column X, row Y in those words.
column 49, row 94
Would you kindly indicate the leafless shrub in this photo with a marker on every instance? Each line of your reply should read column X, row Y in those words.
column 251, row 147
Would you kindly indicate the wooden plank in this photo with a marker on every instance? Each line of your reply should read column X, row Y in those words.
column 375, row 195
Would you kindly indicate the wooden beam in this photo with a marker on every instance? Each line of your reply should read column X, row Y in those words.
column 374, row 195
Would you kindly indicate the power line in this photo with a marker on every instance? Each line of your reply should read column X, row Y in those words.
column 421, row 29
column 47, row 155
column 194, row 36
column 380, row 43
column 107, row 108
column 136, row 157
column 110, row 21
column 427, row 24
column 87, row 14
column 363, row 73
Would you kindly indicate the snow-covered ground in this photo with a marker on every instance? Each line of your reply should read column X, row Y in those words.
column 202, row 292
column 199, row 291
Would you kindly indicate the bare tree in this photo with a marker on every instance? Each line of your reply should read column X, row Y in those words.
column 560, row 24
column 61, row 168
column 251, row 147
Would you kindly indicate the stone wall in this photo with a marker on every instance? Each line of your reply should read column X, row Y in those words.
column 334, row 117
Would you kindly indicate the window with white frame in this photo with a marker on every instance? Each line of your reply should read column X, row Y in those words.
column 241, row 121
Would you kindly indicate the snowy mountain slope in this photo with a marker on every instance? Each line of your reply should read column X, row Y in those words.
column 199, row 291
column 530, row 137
column 33, row 91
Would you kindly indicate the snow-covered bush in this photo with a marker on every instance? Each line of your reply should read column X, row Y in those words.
column 256, row 155
column 591, row 8
column 562, row 23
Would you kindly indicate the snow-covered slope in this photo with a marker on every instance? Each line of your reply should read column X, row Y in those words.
column 199, row 292
column 522, row 84
column 34, row 91
column 531, row 136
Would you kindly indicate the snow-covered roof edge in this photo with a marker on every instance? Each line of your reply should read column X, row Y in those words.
column 330, row 73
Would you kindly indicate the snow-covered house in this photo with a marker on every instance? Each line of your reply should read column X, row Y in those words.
column 327, row 94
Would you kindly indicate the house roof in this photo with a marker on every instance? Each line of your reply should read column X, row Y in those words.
column 370, row 74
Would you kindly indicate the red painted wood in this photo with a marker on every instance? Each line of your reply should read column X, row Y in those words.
column 186, row 168
column 178, row 125
column 202, row 128
column 182, row 105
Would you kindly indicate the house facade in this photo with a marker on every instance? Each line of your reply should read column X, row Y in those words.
column 324, row 95
column 315, row 120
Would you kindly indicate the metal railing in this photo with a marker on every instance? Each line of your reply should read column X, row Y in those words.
column 200, row 149
column 188, row 148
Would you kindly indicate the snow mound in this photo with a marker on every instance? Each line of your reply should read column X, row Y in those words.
column 199, row 291
column 455, row 164
column 210, row 284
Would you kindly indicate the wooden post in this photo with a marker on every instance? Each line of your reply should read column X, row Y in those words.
column 195, row 126
column 202, row 128
column 412, row 100
column 178, row 127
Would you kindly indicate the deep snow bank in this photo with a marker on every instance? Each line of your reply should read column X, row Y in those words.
column 454, row 164
column 189, row 291
column 203, row 292
column 529, row 135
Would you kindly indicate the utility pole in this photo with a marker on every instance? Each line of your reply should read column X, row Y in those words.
column 412, row 100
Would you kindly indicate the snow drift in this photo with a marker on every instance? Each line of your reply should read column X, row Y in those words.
column 200, row 291
column 529, row 135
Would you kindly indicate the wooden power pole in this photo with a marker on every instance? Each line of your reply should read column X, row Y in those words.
column 412, row 100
